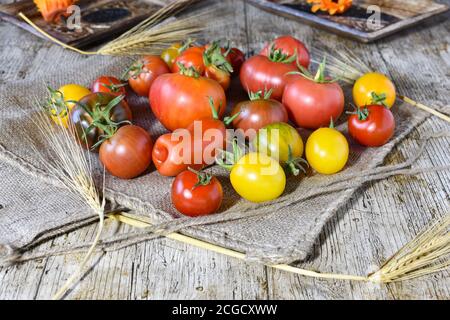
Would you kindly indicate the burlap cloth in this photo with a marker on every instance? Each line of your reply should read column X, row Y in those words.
column 32, row 203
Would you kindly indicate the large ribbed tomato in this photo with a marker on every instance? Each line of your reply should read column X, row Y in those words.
column 178, row 99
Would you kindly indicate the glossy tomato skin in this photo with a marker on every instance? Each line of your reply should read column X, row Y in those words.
column 327, row 151
column 256, row 114
column 257, row 178
column 191, row 57
column 82, row 120
column 170, row 54
column 260, row 74
column 112, row 85
column 312, row 105
column 141, row 81
column 222, row 77
column 178, row 100
column 289, row 46
column 167, row 158
column 376, row 130
column 194, row 201
column 279, row 141
column 373, row 83
column 237, row 59
column 128, row 153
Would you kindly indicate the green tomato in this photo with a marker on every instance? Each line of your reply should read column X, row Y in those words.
column 283, row 143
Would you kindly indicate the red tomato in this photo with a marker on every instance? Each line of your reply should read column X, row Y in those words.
column 196, row 194
column 259, row 73
column 372, row 126
column 222, row 77
column 144, row 71
column 191, row 57
column 257, row 113
column 177, row 100
column 110, row 85
column 236, row 58
column 289, row 46
column 313, row 104
column 128, row 153
column 168, row 159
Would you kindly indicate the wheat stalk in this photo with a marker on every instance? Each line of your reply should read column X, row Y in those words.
column 149, row 36
column 66, row 161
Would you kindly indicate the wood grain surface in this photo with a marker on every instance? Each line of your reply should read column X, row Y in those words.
column 378, row 220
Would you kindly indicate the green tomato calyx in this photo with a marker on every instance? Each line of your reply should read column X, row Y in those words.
column 213, row 56
column 362, row 113
column 56, row 105
column 189, row 72
column 227, row 159
column 101, row 119
column 186, row 45
column 260, row 95
column 379, row 99
column 204, row 178
column 277, row 55
column 134, row 71
column 319, row 77
column 295, row 165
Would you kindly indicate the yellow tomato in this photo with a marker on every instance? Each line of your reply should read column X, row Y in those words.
column 373, row 83
column 327, row 151
column 170, row 54
column 257, row 177
column 59, row 105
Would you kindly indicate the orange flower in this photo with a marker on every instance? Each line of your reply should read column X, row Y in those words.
column 53, row 9
column 332, row 6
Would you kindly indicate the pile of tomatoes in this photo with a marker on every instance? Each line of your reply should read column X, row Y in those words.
column 187, row 88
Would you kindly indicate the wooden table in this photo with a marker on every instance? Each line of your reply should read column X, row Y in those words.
column 377, row 221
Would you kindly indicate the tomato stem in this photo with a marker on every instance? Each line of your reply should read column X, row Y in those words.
column 189, row 72
column 379, row 99
column 295, row 165
column 56, row 105
column 213, row 56
column 319, row 77
column 204, row 178
column 277, row 55
column 260, row 95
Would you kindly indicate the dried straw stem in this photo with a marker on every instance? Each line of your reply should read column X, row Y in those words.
column 149, row 36
column 427, row 253
column 348, row 67
column 68, row 163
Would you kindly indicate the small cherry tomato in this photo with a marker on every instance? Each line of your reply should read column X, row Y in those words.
column 283, row 143
column 372, row 126
column 191, row 57
column 170, row 54
column 327, row 151
column 59, row 103
column 110, row 85
column 257, row 177
column 196, row 193
column 127, row 153
column 372, row 88
column 259, row 111
column 290, row 46
column 143, row 72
